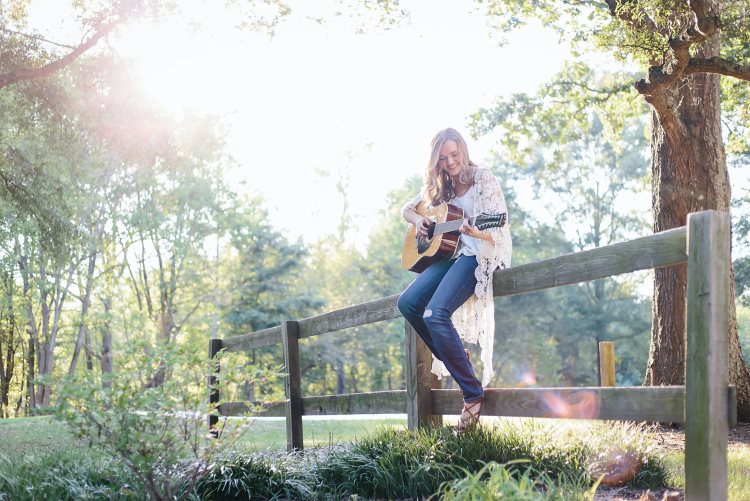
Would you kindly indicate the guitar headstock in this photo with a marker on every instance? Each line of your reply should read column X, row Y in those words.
column 487, row 220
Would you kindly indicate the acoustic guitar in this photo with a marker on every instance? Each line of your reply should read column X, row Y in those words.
column 442, row 239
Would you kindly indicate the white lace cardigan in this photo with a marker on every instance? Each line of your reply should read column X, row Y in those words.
column 475, row 319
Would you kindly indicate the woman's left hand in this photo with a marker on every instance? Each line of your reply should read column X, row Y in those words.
column 466, row 229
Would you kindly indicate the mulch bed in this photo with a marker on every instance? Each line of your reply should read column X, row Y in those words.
column 669, row 439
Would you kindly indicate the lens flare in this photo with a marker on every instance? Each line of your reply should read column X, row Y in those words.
column 527, row 378
column 574, row 405
column 615, row 467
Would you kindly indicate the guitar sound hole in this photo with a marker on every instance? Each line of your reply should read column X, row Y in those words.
column 423, row 244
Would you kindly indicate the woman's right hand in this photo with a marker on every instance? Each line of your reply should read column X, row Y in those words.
column 423, row 225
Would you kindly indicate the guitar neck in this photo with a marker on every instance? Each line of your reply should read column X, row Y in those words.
column 449, row 226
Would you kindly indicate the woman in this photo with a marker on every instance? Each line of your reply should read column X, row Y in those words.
column 459, row 289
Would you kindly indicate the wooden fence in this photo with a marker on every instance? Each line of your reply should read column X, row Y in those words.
column 706, row 404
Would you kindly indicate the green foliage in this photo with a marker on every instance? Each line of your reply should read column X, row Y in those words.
column 554, row 456
column 636, row 32
column 579, row 101
column 66, row 476
column 495, row 481
column 264, row 284
column 158, row 432
column 396, row 464
column 585, row 175
column 259, row 476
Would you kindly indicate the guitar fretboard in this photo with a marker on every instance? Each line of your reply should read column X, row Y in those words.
column 481, row 221
column 449, row 226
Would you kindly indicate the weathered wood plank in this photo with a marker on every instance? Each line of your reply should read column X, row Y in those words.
column 292, row 385
column 653, row 251
column 638, row 403
column 352, row 316
column 376, row 402
column 499, row 402
column 706, row 427
column 251, row 409
column 259, row 339
column 419, row 381
column 606, row 363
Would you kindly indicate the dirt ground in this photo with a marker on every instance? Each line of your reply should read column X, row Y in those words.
column 669, row 439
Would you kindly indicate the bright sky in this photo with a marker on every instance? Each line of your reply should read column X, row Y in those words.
column 316, row 100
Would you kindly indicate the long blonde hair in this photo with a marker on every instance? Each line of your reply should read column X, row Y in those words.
column 438, row 185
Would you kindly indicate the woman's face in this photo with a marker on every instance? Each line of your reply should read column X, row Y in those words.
column 450, row 159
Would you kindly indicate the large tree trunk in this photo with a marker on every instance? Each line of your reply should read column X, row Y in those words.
column 689, row 175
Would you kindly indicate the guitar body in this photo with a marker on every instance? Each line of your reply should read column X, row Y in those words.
column 419, row 253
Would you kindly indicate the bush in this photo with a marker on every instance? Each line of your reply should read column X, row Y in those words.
column 396, row 464
column 158, row 431
column 66, row 475
column 259, row 476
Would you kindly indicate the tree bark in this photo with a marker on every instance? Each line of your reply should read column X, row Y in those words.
column 340, row 376
column 689, row 175
column 82, row 331
column 106, row 357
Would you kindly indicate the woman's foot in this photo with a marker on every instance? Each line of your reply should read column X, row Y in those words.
column 470, row 415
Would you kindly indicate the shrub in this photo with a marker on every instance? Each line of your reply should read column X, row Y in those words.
column 157, row 431
column 66, row 475
column 259, row 476
column 398, row 464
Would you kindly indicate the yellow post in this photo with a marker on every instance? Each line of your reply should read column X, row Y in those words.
column 607, row 363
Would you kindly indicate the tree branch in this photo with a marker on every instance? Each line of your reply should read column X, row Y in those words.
column 23, row 74
column 587, row 3
column 628, row 15
column 604, row 93
column 36, row 37
column 718, row 65
column 702, row 10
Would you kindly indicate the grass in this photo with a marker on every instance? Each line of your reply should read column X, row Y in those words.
column 270, row 434
column 36, row 435
column 369, row 458
column 738, row 457
column 526, row 459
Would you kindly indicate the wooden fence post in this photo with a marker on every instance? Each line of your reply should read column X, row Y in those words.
column 607, row 363
column 214, row 345
column 706, row 378
column 292, row 385
column 419, row 382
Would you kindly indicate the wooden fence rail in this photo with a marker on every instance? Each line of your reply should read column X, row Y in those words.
column 706, row 404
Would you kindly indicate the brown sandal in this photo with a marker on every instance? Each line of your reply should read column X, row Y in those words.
column 470, row 415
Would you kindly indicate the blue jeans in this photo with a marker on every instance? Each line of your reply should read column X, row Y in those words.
column 428, row 303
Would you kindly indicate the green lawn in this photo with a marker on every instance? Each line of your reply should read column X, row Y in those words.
column 36, row 435
column 739, row 471
column 39, row 435
column 271, row 434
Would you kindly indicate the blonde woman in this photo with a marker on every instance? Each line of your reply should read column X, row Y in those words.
column 451, row 301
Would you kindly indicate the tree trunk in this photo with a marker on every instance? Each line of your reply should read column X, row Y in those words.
column 340, row 376
column 8, row 366
column 82, row 331
column 689, row 174
column 106, row 359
